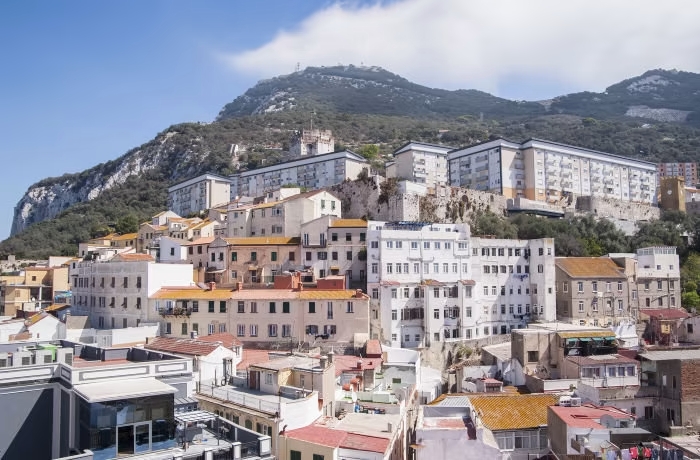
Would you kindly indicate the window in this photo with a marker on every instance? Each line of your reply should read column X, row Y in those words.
column 317, row 457
column 619, row 286
column 222, row 306
column 533, row 356
column 272, row 330
column 253, row 256
column 253, row 330
column 348, row 255
column 286, row 330
column 375, row 267
column 184, row 328
column 436, row 313
column 240, row 330
column 330, row 310
column 285, row 307
column 399, row 244
column 389, row 268
column 394, row 293
column 659, row 284
column 294, row 455
column 253, row 307
column 363, row 237
column 234, row 256
column 211, row 306
column 394, row 315
column 273, row 307
column 322, row 255
column 375, row 293
column 580, row 307
column 334, row 255
column 312, row 307
column 580, row 286
column 273, row 256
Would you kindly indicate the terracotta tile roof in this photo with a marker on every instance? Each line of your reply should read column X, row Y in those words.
column 512, row 412
column 262, row 295
column 134, row 258
column 252, row 356
column 317, row 294
column 348, row 364
column 201, row 224
column 589, row 267
column 664, row 313
column 430, row 282
column 267, row 205
column 198, row 241
column 227, row 339
column 373, row 348
column 356, row 441
column 587, row 416
column 349, row 223
column 190, row 347
column 315, row 434
column 32, row 320
column 126, row 236
column 468, row 282
column 193, row 293
column 57, row 307
column 601, row 359
column 263, row 240
column 586, row 333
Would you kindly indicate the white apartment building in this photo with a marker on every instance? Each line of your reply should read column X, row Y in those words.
column 199, row 194
column 114, row 293
column 433, row 282
column 658, row 277
column 312, row 172
column 421, row 163
column 282, row 218
column 551, row 172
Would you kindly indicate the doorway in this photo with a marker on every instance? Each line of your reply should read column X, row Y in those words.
column 133, row 439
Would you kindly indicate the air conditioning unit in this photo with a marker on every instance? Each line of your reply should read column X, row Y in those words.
column 22, row 358
column 575, row 402
column 43, row 356
column 65, row 356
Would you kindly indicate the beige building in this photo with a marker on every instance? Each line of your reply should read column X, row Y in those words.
column 312, row 142
column 421, row 163
column 591, row 291
column 283, row 217
column 253, row 261
column 199, row 194
column 286, row 315
column 31, row 289
column 555, row 173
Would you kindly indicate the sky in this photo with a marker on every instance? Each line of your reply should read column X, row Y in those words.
column 83, row 82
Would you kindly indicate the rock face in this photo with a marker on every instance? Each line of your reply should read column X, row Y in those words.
column 174, row 153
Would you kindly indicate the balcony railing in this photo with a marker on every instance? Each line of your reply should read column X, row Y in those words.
column 175, row 311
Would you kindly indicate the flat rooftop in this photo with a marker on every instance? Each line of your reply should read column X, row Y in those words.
column 368, row 424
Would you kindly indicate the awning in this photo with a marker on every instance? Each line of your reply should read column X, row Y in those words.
column 335, row 267
column 121, row 389
column 585, row 339
column 597, row 339
column 253, row 268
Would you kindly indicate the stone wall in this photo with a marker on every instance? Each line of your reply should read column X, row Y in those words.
column 616, row 209
column 438, row 354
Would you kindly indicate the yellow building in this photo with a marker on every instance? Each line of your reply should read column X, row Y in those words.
column 31, row 289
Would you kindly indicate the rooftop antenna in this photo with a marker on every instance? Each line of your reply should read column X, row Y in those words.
column 298, row 67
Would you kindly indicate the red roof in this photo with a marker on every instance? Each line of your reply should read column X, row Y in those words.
column 348, row 363
column 587, row 416
column 226, row 338
column 324, row 436
column 252, row 356
column 134, row 257
column 373, row 349
column 318, row 435
column 665, row 313
column 190, row 347
column 356, row 441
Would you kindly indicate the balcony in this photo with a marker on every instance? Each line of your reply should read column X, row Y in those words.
column 175, row 311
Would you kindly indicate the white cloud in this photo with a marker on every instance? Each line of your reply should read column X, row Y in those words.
column 486, row 44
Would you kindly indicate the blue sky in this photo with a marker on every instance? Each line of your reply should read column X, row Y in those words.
column 82, row 82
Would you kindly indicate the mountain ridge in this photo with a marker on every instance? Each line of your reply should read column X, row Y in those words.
column 381, row 108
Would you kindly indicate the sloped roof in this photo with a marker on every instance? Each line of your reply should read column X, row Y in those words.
column 664, row 313
column 194, row 293
column 190, row 347
column 374, row 348
column 512, row 412
column 318, row 435
column 198, row 241
column 226, row 338
column 263, row 240
column 126, row 236
column 349, row 223
column 134, row 258
column 589, row 267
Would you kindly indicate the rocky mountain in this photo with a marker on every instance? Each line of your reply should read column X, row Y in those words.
column 361, row 106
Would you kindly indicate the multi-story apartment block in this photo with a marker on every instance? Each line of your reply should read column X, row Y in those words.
column 592, row 291
column 421, row 163
column 254, row 260
column 198, row 194
column 688, row 171
column 31, row 289
column 332, row 246
column 658, row 278
column 114, row 293
column 433, row 282
column 284, row 217
column 551, row 172
column 150, row 232
column 312, row 172
column 286, row 315
column 312, row 142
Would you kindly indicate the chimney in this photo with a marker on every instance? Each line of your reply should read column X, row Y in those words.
column 324, row 362
column 212, row 286
column 358, row 293
column 239, row 286
column 330, row 355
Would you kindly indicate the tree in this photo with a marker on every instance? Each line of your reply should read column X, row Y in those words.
column 690, row 300
column 488, row 223
column 369, row 151
column 690, row 272
column 127, row 224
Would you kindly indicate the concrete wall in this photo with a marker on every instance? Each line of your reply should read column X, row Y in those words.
column 605, row 207
column 27, row 427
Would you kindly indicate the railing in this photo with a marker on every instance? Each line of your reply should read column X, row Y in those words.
column 175, row 311
column 240, row 398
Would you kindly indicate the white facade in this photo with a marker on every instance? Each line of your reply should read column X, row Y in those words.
column 312, row 142
column 114, row 294
column 433, row 282
column 198, row 194
column 658, row 277
column 551, row 172
column 422, row 163
column 311, row 172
